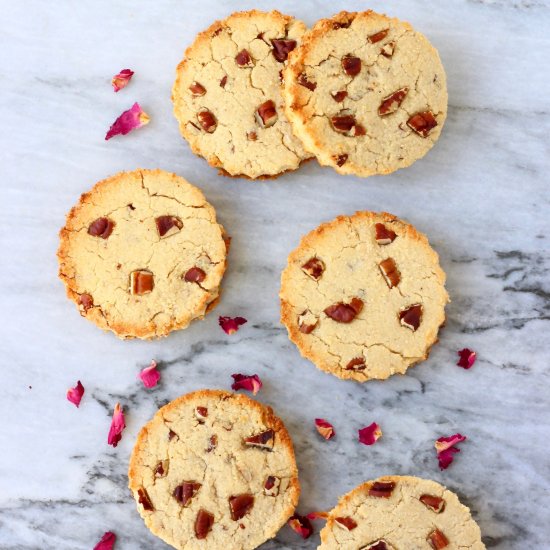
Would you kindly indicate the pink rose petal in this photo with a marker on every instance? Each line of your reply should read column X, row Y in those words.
column 246, row 382
column 301, row 525
column 122, row 79
column 117, row 425
column 231, row 325
column 150, row 375
column 325, row 428
column 74, row 395
column 467, row 358
column 370, row 434
column 129, row 120
column 445, row 447
column 317, row 515
column 107, row 542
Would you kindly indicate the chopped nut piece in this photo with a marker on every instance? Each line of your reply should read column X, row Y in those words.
column 168, row 225
column 223, row 81
column 346, row 124
column 243, row 59
column 382, row 489
column 437, row 540
column 171, row 435
column 252, row 136
column 390, row 272
column 383, row 234
column 86, row 301
column 314, row 267
column 422, row 123
column 351, row 65
column 340, row 160
column 346, row 523
column 434, row 503
column 388, row 49
column 345, row 313
column 212, row 443
column 144, row 500
column 161, row 469
column 102, row 227
column 240, row 505
column 141, row 282
column 197, row 90
column 194, row 275
column 341, row 25
column 263, row 440
column 271, row 486
column 207, row 121
column 373, row 38
column 281, row 48
column 411, row 316
column 325, row 429
column 301, row 525
column 201, row 414
column 378, row 545
column 267, row 114
column 339, row 96
column 303, row 81
column 391, row 103
column 203, row 523
column 186, row 491
column 307, row 322
column 357, row 364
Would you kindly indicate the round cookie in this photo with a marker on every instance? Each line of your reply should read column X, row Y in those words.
column 141, row 254
column 398, row 513
column 363, row 296
column 214, row 469
column 365, row 93
column 227, row 95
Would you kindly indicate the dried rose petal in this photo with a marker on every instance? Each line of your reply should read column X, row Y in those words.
column 248, row 382
column 74, row 395
column 467, row 358
column 325, row 428
column 107, row 542
column 129, row 120
column 445, row 447
column 370, row 434
column 301, row 525
column 317, row 515
column 230, row 325
column 122, row 79
column 117, row 425
column 150, row 375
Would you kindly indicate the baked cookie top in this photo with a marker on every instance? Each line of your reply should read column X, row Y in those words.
column 400, row 513
column 214, row 469
column 365, row 93
column 227, row 95
column 141, row 254
column 363, row 296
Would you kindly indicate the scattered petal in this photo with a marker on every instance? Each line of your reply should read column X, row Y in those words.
column 129, row 120
column 107, row 542
column 301, row 525
column 325, row 428
column 246, row 382
column 74, row 395
column 150, row 376
column 122, row 79
column 317, row 515
column 117, row 425
column 445, row 447
column 370, row 434
column 467, row 358
column 231, row 325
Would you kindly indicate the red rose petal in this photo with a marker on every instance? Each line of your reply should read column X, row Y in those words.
column 370, row 434
column 230, row 325
column 467, row 358
column 325, row 428
column 445, row 447
column 107, row 542
column 117, row 425
column 129, row 120
column 301, row 525
column 317, row 515
column 74, row 395
column 122, row 79
column 248, row 382
column 150, row 375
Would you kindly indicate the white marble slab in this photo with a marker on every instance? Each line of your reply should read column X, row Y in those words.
column 481, row 195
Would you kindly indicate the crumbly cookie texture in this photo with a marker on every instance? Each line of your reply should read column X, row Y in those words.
column 141, row 254
column 400, row 513
column 214, row 469
column 365, row 93
column 227, row 95
column 363, row 296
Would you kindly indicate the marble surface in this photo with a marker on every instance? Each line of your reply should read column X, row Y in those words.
column 481, row 195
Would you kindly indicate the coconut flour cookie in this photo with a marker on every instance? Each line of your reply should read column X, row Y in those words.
column 227, row 95
column 141, row 254
column 400, row 513
column 365, row 93
column 214, row 469
column 363, row 296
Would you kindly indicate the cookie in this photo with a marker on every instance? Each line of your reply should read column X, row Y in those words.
column 398, row 513
column 363, row 296
column 141, row 254
column 365, row 93
column 214, row 469
column 227, row 95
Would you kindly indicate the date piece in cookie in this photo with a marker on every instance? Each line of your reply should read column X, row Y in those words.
column 373, row 305
column 400, row 519
column 228, row 98
column 142, row 254
column 372, row 112
column 234, row 496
